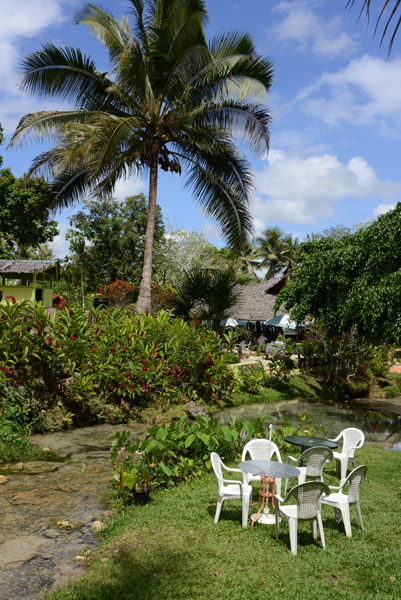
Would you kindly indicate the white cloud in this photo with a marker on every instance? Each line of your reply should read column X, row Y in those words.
column 60, row 245
column 299, row 190
column 364, row 92
column 210, row 231
column 312, row 32
column 383, row 208
column 22, row 19
column 129, row 187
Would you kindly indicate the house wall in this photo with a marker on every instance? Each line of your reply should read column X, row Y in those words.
column 24, row 292
column 20, row 293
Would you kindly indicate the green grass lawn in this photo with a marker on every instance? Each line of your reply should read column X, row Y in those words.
column 171, row 549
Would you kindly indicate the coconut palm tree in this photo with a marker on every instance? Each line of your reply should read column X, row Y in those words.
column 171, row 100
column 391, row 6
column 290, row 253
column 271, row 247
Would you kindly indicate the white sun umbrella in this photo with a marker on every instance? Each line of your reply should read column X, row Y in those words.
column 230, row 322
column 283, row 321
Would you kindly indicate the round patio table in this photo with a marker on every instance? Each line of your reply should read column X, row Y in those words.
column 268, row 471
column 306, row 441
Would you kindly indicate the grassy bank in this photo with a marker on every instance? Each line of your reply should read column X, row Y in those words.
column 171, row 549
column 298, row 386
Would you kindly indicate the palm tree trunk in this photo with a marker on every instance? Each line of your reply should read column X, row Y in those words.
column 145, row 292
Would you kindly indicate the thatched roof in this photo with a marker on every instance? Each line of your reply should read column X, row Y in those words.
column 257, row 301
column 25, row 267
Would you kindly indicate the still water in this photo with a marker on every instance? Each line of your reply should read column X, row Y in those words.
column 330, row 419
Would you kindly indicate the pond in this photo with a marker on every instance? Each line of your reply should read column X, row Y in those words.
column 367, row 415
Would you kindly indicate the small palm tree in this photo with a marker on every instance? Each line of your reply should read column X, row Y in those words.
column 206, row 295
column 393, row 7
column 170, row 101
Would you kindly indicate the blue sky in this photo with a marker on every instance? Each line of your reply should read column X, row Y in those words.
column 335, row 101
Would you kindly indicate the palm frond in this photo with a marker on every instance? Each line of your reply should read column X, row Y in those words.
column 104, row 27
column 66, row 73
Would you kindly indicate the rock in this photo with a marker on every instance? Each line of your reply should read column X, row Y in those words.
column 97, row 526
column 3, row 479
column 79, row 558
column 195, row 410
column 89, row 519
column 19, row 467
column 64, row 524
column 21, row 549
column 108, row 514
column 52, row 533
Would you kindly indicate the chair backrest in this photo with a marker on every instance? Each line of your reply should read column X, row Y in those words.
column 352, row 437
column 307, row 496
column 354, row 481
column 315, row 458
column 216, row 464
column 261, row 449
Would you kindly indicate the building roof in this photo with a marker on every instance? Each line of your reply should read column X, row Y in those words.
column 257, row 301
column 24, row 267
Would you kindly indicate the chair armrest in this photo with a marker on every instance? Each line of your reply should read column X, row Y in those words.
column 233, row 469
column 335, row 487
column 279, row 498
column 335, row 439
column 233, row 481
column 289, row 458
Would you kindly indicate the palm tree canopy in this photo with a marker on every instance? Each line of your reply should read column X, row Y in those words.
column 389, row 15
column 170, row 100
column 271, row 248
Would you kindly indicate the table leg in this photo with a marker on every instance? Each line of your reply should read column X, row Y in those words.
column 264, row 516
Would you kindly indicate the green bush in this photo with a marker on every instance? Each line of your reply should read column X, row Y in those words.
column 106, row 364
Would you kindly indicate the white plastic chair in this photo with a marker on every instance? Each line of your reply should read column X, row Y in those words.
column 235, row 490
column 342, row 502
column 352, row 440
column 314, row 460
column 261, row 449
column 307, row 508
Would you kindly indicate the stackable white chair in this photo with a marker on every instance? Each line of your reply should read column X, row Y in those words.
column 235, row 490
column 261, row 449
column 352, row 440
column 308, row 497
column 313, row 460
column 340, row 501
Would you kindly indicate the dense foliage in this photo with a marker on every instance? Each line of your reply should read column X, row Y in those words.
column 114, row 240
column 25, row 206
column 353, row 282
column 107, row 364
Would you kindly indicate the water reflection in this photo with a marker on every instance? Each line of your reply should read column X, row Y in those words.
column 331, row 417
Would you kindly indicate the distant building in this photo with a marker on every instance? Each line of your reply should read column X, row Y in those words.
column 28, row 280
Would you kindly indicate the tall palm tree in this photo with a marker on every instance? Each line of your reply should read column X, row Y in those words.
column 271, row 247
column 290, row 253
column 393, row 6
column 171, row 100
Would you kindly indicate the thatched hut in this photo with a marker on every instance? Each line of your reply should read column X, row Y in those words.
column 257, row 304
column 28, row 280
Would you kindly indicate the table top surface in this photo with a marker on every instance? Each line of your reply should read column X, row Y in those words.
column 309, row 442
column 276, row 469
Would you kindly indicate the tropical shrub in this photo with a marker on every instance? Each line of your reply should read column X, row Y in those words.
column 119, row 292
column 109, row 363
